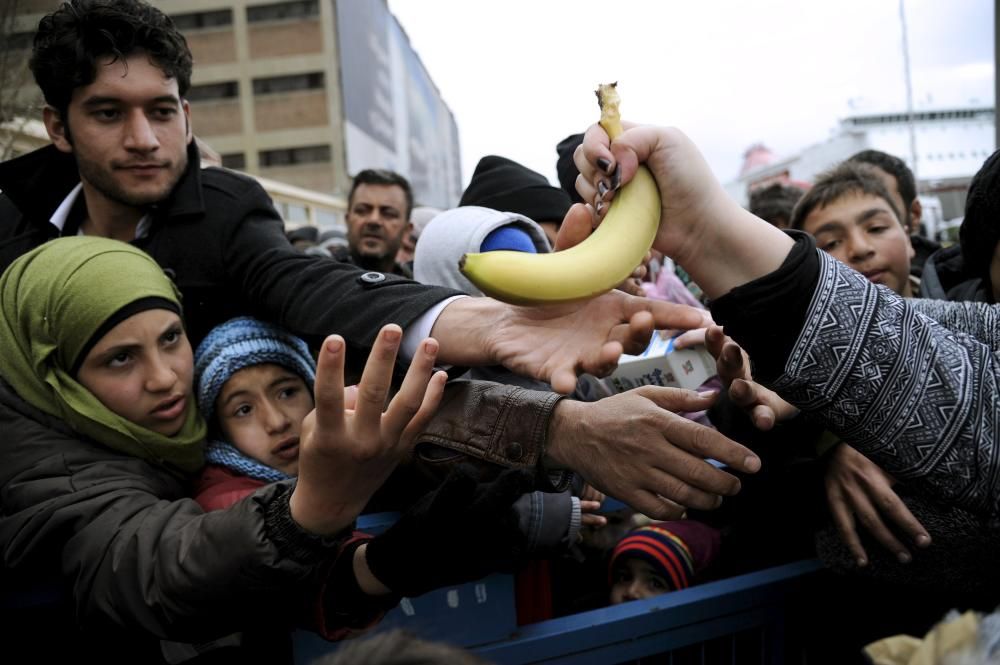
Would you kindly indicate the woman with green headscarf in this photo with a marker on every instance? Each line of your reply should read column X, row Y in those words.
column 66, row 298
column 100, row 439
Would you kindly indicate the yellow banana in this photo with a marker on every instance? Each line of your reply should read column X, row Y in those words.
column 598, row 264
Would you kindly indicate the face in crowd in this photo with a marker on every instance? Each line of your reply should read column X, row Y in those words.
column 635, row 579
column 862, row 231
column 142, row 369
column 260, row 410
column 377, row 219
column 129, row 130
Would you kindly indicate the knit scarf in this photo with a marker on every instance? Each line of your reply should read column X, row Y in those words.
column 227, row 455
column 52, row 302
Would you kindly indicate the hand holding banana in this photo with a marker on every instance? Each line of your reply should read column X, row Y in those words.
column 598, row 264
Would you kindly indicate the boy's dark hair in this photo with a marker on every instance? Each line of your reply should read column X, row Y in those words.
column 774, row 203
column 70, row 41
column 398, row 647
column 382, row 177
column 895, row 167
column 845, row 178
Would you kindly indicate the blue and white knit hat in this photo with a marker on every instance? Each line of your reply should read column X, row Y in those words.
column 245, row 342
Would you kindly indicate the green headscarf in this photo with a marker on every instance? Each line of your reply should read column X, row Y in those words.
column 53, row 300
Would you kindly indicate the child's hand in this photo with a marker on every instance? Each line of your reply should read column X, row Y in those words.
column 346, row 454
column 588, row 516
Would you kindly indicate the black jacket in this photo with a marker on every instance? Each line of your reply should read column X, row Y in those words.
column 221, row 240
column 945, row 278
column 130, row 560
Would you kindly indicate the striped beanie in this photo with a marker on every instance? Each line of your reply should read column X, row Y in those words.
column 245, row 342
column 679, row 549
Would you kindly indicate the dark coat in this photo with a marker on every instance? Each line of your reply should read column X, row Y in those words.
column 945, row 278
column 221, row 240
column 130, row 560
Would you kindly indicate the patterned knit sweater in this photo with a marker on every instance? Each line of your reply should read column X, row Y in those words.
column 914, row 385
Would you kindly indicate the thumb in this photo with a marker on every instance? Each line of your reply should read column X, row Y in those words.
column 576, row 227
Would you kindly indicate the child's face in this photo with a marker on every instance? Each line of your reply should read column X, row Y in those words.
column 260, row 411
column 635, row 579
column 862, row 231
column 142, row 370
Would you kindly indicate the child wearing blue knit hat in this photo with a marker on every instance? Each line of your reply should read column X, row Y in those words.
column 254, row 383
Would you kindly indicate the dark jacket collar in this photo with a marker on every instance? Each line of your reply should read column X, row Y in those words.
column 39, row 181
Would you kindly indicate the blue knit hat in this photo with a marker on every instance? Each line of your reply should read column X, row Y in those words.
column 245, row 342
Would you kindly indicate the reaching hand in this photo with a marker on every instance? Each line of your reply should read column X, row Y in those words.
column 764, row 406
column 859, row 491
column 720, row 244
column 462, row 531
column 589, row 516
column 346, row 454
column 556, row 343
column 632, row 446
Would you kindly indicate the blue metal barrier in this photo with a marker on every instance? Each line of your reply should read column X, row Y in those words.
column 740, row 621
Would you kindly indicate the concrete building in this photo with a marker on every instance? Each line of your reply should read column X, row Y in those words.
column 309, row 92
column 951, row 145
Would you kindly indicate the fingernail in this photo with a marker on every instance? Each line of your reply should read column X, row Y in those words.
column 708, row 393
column 616, row 179
column 862, row 562
column 599, row 207
column 903, row 557
column 430, row 346
column 602, row 189
column 334, row 345
column 603, row 164
column 752, row 463
column 923, row 540
column 392, row 335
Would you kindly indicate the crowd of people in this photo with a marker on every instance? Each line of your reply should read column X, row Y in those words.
column 197, row 405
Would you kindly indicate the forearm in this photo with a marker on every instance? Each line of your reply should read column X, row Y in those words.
column 917, row 399
column 732, row 249
column 462, row 330
column 978, row 320
column 497, row 423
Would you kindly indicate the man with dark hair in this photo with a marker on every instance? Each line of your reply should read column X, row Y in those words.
column 123, row 164
column 378, row 218
column 902, row 186
column 774, row 203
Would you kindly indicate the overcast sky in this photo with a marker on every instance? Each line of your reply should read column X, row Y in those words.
column 519, row 75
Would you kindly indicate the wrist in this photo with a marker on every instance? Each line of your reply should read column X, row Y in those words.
column 322, row 518
column 463, row 331
column 566, row 416
column 366, row 579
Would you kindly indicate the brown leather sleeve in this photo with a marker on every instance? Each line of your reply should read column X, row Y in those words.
column 497, row 423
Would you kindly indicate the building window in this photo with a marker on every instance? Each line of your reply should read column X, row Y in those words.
column 289, row 156
column 213, row 91
column 280, row 84
column 294, row 213
column 236, row 161
column 203, row 20
column 283, row 11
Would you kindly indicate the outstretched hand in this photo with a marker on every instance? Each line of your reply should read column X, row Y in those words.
column 346, row 454
column 720, row 244
column 858, row 491
column 632, row 446
column 557, row 343
column 763, row 405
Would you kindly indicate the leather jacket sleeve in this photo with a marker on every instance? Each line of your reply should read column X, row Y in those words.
column 503, row 425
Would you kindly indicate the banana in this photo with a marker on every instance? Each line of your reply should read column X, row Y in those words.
column 598, row 264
